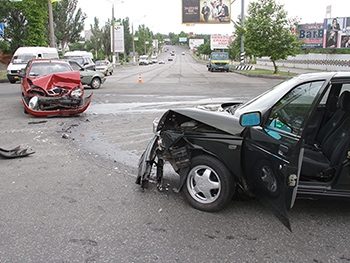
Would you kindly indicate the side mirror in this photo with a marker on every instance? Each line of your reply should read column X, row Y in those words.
column 250, row 119
column 21, row 73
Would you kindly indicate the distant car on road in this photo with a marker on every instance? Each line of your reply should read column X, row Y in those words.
column 161, row 61
column 91, row 78
column 104, row 66
column 143, row 60
column 170, row 59
column 50, row 87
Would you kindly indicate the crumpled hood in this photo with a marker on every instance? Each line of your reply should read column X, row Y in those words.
column 219, row 120
column 67, row 80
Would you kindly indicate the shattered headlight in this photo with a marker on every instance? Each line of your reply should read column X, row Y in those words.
column 77, row 92
column 33, row 103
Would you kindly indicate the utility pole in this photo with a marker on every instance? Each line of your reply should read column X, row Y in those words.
column 242, row 37
column 52, row 34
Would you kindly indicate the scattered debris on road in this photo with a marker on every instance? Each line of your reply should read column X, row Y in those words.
column 14, row 153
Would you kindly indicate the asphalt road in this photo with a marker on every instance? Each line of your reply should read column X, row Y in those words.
column 75, row 199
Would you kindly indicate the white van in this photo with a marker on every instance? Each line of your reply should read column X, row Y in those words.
column 23, row 55
column 78, row 53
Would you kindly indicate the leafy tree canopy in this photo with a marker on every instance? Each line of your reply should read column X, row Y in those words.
column 268, row 31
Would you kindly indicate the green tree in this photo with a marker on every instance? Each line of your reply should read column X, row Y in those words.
column 204, row 48
column 268, row 31
column 234, row 49
column 25, row 23
column 36, row 12
column 106, row 40
column 68, row 22
column 96, row 35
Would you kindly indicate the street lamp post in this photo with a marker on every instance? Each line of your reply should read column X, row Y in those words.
column 113, row 36
column 133, row 44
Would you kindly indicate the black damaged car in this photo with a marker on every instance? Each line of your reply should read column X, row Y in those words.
column 292, row 140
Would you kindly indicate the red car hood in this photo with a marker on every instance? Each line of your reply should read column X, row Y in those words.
column 64, row 79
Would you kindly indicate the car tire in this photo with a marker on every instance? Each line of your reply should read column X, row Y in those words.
column 95, row 83
column 264, row 179
column 111, row 73
column 209, row 185
column 12, row 81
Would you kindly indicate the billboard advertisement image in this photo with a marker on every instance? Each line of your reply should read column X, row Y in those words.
column 219, row 41
column 206, row 11
column 336, row 32
column 311, row 34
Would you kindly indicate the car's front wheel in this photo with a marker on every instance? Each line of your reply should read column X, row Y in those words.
column 95, row 83
column 209, row 185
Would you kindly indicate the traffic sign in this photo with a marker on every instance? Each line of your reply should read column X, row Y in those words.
column 1, row 28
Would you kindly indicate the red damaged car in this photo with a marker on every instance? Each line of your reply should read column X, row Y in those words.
column 50, row 87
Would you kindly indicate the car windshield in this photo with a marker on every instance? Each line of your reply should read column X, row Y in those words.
column 101, row 63
column 80, row 60
column 219, row 56
column 22, row 59
column 46, row 68
column 266, row 99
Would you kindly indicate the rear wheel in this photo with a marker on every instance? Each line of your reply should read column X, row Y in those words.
column 209, row 185
column 95, row 83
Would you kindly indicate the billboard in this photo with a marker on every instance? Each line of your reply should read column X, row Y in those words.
column 118, row 38
column 194, row 43
column 311, row 34
column 218, row 41
column 206, row 11
column 336, row 32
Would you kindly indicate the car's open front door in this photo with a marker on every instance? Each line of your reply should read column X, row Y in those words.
column 272, row 152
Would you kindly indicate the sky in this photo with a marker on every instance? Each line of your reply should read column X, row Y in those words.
column 164, row 16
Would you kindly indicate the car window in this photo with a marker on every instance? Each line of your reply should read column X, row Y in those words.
column 39, row 69
column 345, row 87
column 289, row 113
column 23, row 58
column 78, row 59
column 75, row 66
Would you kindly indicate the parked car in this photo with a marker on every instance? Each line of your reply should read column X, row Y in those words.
column 50, row 87
column 170, row 59
column 85, row 62
column 292, row 140
column 161, row 61
column 104, row 66
column 84, row 58
column 91, row 78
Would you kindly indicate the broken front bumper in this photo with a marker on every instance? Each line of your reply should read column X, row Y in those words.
column 84, row 104
column 146, row 162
